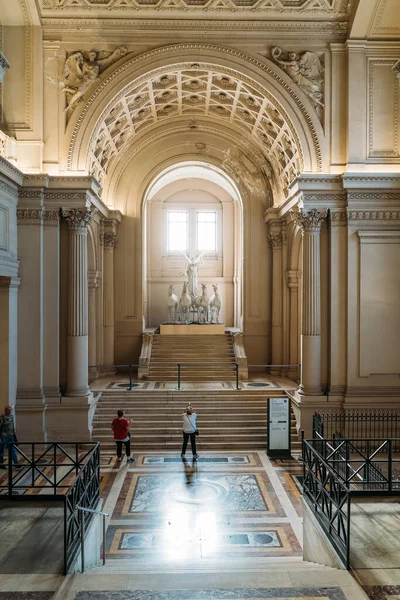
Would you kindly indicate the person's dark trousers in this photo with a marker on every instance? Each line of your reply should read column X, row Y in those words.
column 186, row 437
column 127, row 448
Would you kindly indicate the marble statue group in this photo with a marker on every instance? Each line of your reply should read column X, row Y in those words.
column 193, row 307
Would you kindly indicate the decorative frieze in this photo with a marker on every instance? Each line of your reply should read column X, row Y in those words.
column 337, row 218
column 77, row 219
column 374, row 215
column 30, row 216
column 310, row 220
column 51, row 218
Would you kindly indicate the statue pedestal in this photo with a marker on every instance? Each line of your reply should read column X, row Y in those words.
column 182, row 329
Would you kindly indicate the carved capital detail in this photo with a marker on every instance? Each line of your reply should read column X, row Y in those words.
column 51, row 218
column 29, row 216
column 337, row 218
column 77, row 220
column 109, row 240
column 310, row 220
column 275, row 240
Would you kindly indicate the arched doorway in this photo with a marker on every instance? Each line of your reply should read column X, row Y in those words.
column 192, row 208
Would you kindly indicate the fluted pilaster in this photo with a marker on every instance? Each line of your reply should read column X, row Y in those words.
column 109, row 243
column 77, row 370
column 276, row 243
column 311, row 222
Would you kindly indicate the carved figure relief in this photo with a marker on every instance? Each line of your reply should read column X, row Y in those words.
column 81, row 69
column 306, row 71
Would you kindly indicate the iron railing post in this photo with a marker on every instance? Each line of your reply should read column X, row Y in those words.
column 237, row 376
column 104, row 540
column 82, row 523
column 130, row 378
column 9, row 452
column 390, row 466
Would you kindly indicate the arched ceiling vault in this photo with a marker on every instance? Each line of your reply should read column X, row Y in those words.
column 196, row 92
column 179, row 139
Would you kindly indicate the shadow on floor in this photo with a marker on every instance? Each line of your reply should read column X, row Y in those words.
column 32, row 537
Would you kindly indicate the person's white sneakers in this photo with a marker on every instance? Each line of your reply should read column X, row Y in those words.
column 130, row 460
column 195, row 456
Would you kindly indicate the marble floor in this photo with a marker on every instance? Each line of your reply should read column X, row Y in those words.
column 228, row 525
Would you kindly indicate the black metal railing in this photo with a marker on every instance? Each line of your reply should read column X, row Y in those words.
column 372, row 424
column 329, row 499
column 180, row 370
column 68, row 472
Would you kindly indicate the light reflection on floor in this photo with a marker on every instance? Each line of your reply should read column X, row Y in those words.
column 171, row 511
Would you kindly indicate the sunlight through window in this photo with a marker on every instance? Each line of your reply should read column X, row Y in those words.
column 177, row 231
column 207, row 231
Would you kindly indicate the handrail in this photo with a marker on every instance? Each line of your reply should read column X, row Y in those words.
column 82, row 523
column 180, row 365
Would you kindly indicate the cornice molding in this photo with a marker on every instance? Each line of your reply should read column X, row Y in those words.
column 376, row 196
column 8, row 170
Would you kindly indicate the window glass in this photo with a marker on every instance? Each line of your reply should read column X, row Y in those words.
column 177, row 230
column 207, row 231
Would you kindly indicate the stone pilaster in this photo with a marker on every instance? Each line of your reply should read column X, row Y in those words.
column 108, row 240
column 292, row 280
column 78, row 221
column 51, row 305
column 30, row 395
column 276, row 243
column 8, row 339
column 93, row 288
column 310, row 221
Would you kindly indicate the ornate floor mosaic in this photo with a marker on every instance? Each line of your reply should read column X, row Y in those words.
column 221, row 506
column 303, row 593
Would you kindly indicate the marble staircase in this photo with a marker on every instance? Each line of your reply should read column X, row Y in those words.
column 202, row 358
column 226, row 419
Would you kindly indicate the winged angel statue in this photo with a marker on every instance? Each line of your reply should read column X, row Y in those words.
column 81, row 69
column 306, row 71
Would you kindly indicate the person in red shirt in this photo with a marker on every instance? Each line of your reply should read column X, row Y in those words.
column 120, row 427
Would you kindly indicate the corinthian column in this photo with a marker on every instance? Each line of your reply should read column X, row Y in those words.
column 93, row 286
column 275, row 240
column 77, row 351
column 109, row 242
column 311, row 221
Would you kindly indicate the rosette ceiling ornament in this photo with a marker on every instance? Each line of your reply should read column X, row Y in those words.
column 202, row 94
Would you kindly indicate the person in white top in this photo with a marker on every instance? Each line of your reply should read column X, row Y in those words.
column 189, row 430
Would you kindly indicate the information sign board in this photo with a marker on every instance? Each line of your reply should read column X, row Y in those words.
column 278, row 427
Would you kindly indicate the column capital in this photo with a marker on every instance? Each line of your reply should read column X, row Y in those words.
column 309, row 220
column 51, row 217
column 78, row 219
column 275, row 240
column 109, row 240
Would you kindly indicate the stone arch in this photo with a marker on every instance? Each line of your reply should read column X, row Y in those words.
column 261, row 79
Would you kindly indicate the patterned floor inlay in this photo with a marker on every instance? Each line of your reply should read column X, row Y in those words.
column 191, row 511
column 152, row 493
column 26, row 595
column 383, row 592
column 245, row 460
column 303, row 593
